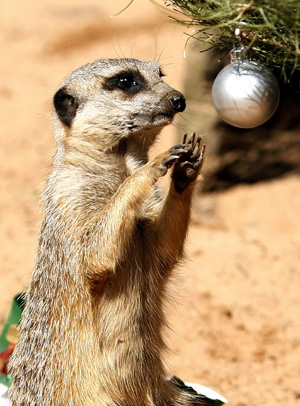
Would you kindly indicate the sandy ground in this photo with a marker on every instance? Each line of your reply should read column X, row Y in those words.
column 235, row 315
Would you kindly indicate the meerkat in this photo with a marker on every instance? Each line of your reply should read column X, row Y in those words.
column 92, row 328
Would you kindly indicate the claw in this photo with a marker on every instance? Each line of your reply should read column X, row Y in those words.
column 192, row 139
column 202, row 151
column 179, row 146
column 195, row 152
column 199, row 160
column 169, row 160
column 178, row 151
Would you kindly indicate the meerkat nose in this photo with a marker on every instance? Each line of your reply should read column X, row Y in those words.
column 178, row 102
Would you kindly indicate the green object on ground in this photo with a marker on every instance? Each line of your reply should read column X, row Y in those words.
column 13, row 319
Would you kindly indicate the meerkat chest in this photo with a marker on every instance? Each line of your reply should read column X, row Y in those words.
column 135, row 158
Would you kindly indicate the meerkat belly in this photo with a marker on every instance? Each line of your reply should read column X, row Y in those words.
column 130, row 311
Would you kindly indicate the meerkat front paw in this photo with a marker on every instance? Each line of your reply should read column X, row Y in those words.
column 187, row 167
column 166, row 160
column 187, row 159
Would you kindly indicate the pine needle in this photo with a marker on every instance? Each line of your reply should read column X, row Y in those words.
column 269, row 28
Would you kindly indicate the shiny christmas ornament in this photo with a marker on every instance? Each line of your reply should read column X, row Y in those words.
column 245, row 93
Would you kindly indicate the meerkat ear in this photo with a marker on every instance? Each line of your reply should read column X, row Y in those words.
column 65, row 106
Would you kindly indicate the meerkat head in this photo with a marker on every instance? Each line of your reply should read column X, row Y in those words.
column 112, row 99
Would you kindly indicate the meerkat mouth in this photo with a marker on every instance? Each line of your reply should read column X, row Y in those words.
column 158, row 120
column 162, row 118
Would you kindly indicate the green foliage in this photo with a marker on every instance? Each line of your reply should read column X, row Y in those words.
column 269, row 28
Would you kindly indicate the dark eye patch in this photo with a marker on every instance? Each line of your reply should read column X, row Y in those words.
column 127, row 81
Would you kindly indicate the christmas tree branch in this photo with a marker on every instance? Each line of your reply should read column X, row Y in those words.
column 269, row 28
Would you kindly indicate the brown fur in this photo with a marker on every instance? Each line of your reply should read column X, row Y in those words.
column 91, row 332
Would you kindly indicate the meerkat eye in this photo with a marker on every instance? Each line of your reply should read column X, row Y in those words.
column 128, row 82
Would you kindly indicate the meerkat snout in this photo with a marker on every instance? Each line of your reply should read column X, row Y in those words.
column 178, row 102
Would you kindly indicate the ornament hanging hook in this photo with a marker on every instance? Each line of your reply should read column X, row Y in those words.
column 238, row 53
column 238, row 39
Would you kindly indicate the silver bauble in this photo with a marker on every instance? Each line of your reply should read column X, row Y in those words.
column 245, row 94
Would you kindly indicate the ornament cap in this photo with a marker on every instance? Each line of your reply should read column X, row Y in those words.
column 238, row 53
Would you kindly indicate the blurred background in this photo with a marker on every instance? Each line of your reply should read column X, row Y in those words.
column 235, row 308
